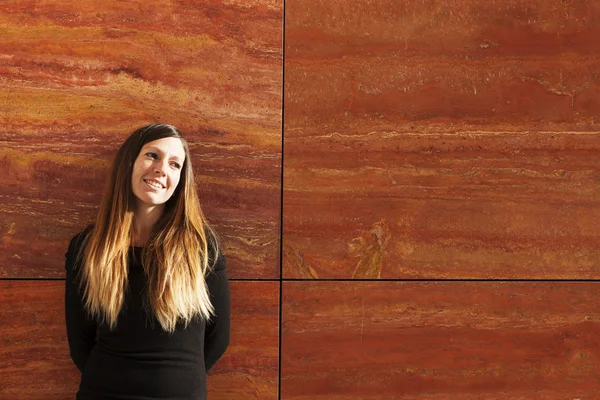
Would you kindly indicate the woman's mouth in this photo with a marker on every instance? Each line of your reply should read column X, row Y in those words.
column 154, row 184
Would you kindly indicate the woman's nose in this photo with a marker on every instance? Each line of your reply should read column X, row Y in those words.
column 161, row 166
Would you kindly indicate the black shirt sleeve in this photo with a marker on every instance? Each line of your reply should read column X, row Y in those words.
column 81, row 329
column 216, row 337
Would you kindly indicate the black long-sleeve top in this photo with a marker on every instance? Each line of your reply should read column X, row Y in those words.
column 138, row 360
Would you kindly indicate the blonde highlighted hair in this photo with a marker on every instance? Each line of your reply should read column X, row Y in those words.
column 180, row 252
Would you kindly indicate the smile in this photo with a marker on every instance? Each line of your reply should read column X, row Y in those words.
column 153, row 183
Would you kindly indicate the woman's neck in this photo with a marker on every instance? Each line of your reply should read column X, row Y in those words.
column 143, row 221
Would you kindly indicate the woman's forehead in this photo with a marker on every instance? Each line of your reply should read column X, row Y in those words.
column 169, row 145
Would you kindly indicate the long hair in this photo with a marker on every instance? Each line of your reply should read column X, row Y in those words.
column 175, row 258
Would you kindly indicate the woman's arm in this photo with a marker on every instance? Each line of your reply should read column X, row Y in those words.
column 216, row 338
column 81, row 329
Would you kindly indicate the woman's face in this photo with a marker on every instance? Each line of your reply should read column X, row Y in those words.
column 157, row 170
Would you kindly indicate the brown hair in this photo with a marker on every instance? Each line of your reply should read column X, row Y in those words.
column 181, row 249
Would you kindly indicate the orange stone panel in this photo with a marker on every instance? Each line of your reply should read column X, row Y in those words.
column 249, row 370
column 446, row 65
column 438, row 140
column 77, row 77
column 443, row 206
column 432, row 340
column 34, row 355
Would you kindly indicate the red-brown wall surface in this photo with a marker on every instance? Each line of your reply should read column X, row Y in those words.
column 425, row 225
column 76, row 78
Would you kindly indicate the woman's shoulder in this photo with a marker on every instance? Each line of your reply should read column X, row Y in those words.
column 215, row 255
column 78, row 240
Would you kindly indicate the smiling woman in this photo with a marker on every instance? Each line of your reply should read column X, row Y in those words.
column 147, row 295
column 156, row 174
column 157, row 170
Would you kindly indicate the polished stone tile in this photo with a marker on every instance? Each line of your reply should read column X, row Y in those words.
column 34, row 354
column 77, row 78
column 432, row 340
column 441, row 140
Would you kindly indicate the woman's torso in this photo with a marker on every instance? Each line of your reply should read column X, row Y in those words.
column 140, row 361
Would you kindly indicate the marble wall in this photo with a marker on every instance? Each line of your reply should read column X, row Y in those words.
column 75, row 79
column 441, row 214
column 406, row 190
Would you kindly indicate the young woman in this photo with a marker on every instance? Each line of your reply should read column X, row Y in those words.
column 147, row 296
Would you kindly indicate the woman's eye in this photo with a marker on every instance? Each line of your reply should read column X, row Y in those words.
column 176, row 165
column 151, row 154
